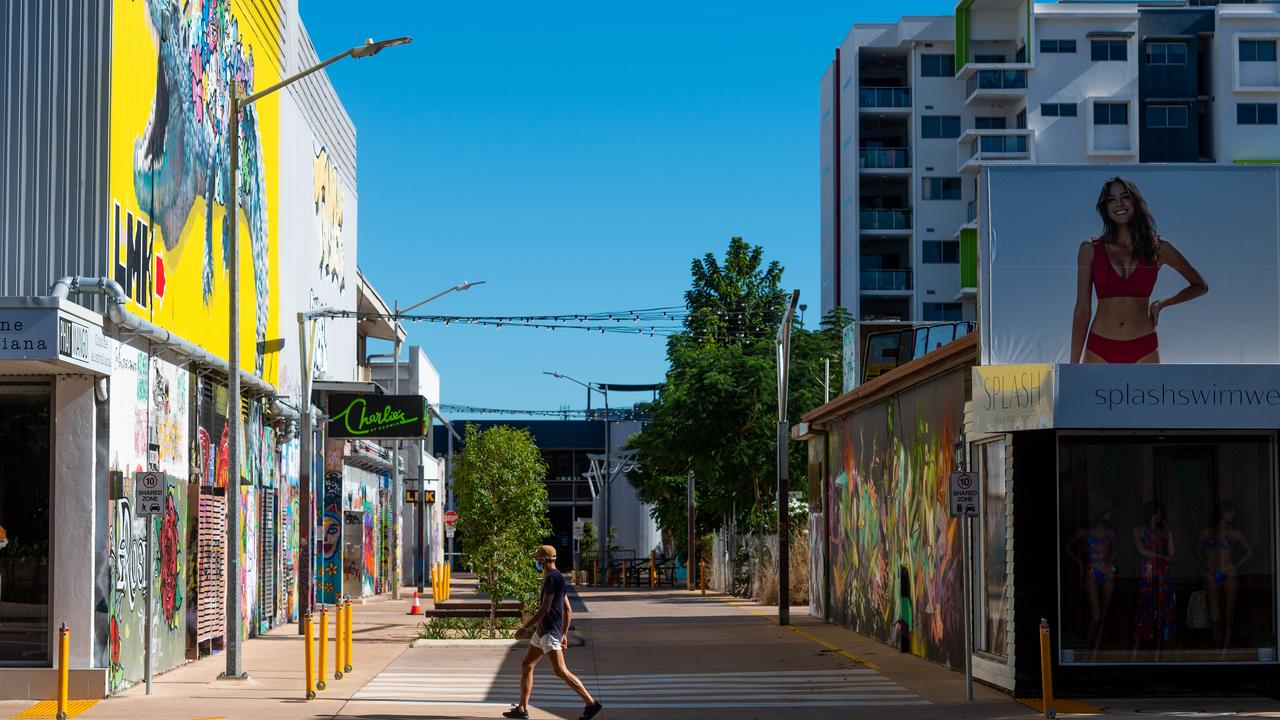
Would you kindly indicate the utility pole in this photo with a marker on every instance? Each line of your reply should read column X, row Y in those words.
column 235, row 665
column 784, row 530
column 691, row 556
column 397, row 483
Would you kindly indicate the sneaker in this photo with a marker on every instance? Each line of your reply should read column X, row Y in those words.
column 516, row 712
column 591, row 710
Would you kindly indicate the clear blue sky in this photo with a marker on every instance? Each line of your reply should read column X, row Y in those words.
column 578, row 156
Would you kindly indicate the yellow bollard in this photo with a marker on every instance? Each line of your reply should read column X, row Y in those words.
column 624, row 573
column 307, row 652
column 64, row 658
column 339, row 644
column 594, row 567
column 653, row 568
column 448, row 580
column 324, row 646
column 350, row 629
column 1046, row 670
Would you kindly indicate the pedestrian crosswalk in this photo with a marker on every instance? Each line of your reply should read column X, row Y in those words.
column 854, row 687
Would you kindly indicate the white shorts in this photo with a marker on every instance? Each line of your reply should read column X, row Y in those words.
column 545, row 643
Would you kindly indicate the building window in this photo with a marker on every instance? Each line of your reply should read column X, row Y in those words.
column 1021, row 121
column 946, row 252
column 1166, row 548
column 941, row 126
column 1109, row 50
column 1166, row 53
column 1058, row 110
column 1057, row 46
column 937, row 65
column 1166, row 116
column 992, row 544
column 990, row 59
column 989, row 123
column 1255, row 113
column 941, row 188
column 941, row 312
column 1257, row 51
column 1111, row 113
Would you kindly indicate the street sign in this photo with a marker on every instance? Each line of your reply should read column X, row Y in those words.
column 963, row 498
column 429, row 497
column 450, row 518
column 448, row 531
column 410, row 497
column 148, row 490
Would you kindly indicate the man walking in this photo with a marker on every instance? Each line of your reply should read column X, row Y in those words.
column 550, row 638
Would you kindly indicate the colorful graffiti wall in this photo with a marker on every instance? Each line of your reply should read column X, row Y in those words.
column 887, row 483
column 174, row 64
column 149, row 418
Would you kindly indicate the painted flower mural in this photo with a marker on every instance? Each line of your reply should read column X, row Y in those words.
column 170, row 595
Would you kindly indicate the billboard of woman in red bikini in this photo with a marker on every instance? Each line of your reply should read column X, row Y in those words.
column 1120, row 266
column 1096, row 265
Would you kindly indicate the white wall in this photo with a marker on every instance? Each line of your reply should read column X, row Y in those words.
column 935, row 219
column 826, row 188
column 1235, row 141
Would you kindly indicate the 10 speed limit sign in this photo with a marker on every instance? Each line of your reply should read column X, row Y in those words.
column 963, row 497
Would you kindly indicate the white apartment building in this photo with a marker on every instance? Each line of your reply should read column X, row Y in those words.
column 910, row 110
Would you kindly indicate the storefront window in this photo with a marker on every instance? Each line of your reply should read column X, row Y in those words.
column 1167, row 549
column 990, row 458
column 24, row 525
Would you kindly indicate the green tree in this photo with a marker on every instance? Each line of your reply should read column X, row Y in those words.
column 502, row 511
column 718, row 410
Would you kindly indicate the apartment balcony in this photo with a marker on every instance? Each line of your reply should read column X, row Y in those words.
column 976, row 147
column 991, row 84
column 884, row 161
column 884, row 282
column 885, row 222
column 971, row 213
column 880, row 99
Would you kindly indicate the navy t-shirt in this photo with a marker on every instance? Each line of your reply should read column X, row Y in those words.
column 553, row 622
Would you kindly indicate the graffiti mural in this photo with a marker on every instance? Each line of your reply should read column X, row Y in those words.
column 174, row 66
column 887, row 484
column 327, row 192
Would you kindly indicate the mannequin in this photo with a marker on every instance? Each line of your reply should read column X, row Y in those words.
column 1093, row 550
column 1218, row 545
column 1156, row 613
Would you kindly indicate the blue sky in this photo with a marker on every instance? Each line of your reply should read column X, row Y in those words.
column 577, row 156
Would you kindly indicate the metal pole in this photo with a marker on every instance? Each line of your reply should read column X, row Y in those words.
column 420, row 532
column 146, row 635
column 397, row 486
column 306, row 518
column 784, row 479
column 235, row 666
column 608, row 476
column 691, row 554
column 422, row 496
column 826, row 380
column 968, row 609
column 448, row 493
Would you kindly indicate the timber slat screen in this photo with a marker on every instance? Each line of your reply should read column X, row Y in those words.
column 211, row 591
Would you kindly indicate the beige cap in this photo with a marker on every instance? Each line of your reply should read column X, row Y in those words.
column 546, row 551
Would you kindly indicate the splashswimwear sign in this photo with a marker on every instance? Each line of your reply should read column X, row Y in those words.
column 1012, row 397
column 377, row 416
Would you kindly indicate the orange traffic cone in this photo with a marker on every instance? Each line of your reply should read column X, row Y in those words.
column 416, row 609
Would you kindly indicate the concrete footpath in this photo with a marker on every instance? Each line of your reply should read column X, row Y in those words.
column 649, row 653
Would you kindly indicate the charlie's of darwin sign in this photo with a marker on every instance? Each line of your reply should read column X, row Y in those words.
column 377, row 416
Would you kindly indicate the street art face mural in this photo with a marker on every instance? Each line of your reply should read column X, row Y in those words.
column 327, row 191
column 173, row 69
column 887, row 484
column 329, row 579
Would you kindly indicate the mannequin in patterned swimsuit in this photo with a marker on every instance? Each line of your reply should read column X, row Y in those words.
column 1217, row 551
column 1121, row 265
column 1097, row 565
column 1157, row 608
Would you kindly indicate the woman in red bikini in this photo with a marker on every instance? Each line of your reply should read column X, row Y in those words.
column 1121, row 266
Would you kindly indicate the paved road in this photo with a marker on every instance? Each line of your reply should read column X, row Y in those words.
column 671, row 655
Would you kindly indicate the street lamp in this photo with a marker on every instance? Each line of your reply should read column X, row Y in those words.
column 235, row 664
column 783, row 346
column 608, row 462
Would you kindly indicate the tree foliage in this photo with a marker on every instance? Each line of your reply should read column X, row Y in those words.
column 717, row 414
column 502, row 511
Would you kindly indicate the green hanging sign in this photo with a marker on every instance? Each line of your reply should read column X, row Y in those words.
column 378, row 416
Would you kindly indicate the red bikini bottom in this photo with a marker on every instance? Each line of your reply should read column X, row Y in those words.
column 1122, row 351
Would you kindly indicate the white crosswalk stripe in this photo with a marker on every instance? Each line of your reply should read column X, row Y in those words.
column 858, row 687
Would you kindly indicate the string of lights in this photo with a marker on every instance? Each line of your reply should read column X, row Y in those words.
column 565, row 413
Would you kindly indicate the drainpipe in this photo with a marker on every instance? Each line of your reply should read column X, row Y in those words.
column 116, row 297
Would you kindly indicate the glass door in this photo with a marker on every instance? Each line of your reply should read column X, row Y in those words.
column 25, row 515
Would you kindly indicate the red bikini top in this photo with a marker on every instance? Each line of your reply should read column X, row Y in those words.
column 1108, row 283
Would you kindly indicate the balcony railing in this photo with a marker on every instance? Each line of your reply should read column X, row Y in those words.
column 885, row 280
column 884, row 158
column 997, row 80
column 998, row 144
column 886, row 97
column 971, row 214
column 884, row 219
